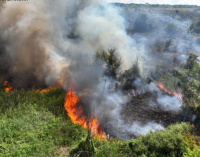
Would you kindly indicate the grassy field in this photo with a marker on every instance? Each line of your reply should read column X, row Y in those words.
column 36, row 124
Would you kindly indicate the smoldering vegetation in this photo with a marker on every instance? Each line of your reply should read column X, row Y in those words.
column 115, row 57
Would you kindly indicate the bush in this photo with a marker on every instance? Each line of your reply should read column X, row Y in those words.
column 171, row 142
column 162, row 143
column 192, row 148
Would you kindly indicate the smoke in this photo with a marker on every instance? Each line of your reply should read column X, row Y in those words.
column 30, row 40
column 51, row 42
column 163, row 101
column 48, row 42
column 107, row 106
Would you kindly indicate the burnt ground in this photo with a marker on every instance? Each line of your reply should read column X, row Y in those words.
column 140, row 109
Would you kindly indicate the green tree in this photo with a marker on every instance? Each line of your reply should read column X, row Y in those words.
column 112, row 62
column 190, row 83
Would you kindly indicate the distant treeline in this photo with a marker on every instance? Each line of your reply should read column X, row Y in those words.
column 133, row 5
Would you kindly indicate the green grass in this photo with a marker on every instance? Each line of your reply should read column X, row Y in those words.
column 36, row 124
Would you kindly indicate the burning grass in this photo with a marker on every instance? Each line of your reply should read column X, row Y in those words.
column 76, row 115
column 8, row 88
column 35, row 124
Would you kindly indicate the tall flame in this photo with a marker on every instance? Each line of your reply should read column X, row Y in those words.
column 178, row 95
column 8, row 87
column 76, row 115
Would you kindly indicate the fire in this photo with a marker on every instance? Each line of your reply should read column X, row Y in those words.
column 178, row 95
column 8, row 87
column 76, row 115
column 49, row 89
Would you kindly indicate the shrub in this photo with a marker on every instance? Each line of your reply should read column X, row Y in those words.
column 162, row 143
column 192, row 149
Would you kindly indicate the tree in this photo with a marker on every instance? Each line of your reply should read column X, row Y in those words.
column 112, row 62
column 190, row 83
column 143, row 24
column 195, row 27
column 170, row 30
column 192, row 60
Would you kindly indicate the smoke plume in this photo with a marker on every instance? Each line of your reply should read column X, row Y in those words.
column 47, row 42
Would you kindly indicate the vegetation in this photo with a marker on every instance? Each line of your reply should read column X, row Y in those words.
column 36, row 124
column 157, row 6
column 143, row 24
column 189, row 81
column 170, row 30
column 187, row 78
column 195, row 27
column 111, row 61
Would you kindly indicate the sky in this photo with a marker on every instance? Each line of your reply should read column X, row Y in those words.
column 183, row 2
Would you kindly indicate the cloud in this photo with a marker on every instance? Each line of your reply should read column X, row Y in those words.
column 182, row 2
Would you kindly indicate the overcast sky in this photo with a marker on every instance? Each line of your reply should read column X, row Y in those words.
column 190, row 2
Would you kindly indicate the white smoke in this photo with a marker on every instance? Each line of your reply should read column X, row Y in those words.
column 111, row 107
column 55, row 41
column 166, row 102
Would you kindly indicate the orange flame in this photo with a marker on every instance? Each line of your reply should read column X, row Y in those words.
column 49, row 89
column 8, row 87
column 178, row 95
column 76, row 115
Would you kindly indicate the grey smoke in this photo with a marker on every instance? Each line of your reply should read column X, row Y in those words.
column 55, row 41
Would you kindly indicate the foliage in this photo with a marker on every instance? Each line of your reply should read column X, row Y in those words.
column 85, row 148
column 170, row 30
column 191, row 92
column 143, row 24
column 35, row 124
column 192, row 148
column 189, row 81
column 128, row 77
column 112, row 62
column 168, row 143
column 162, row 143
column 192, row 60
column 195, row 27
